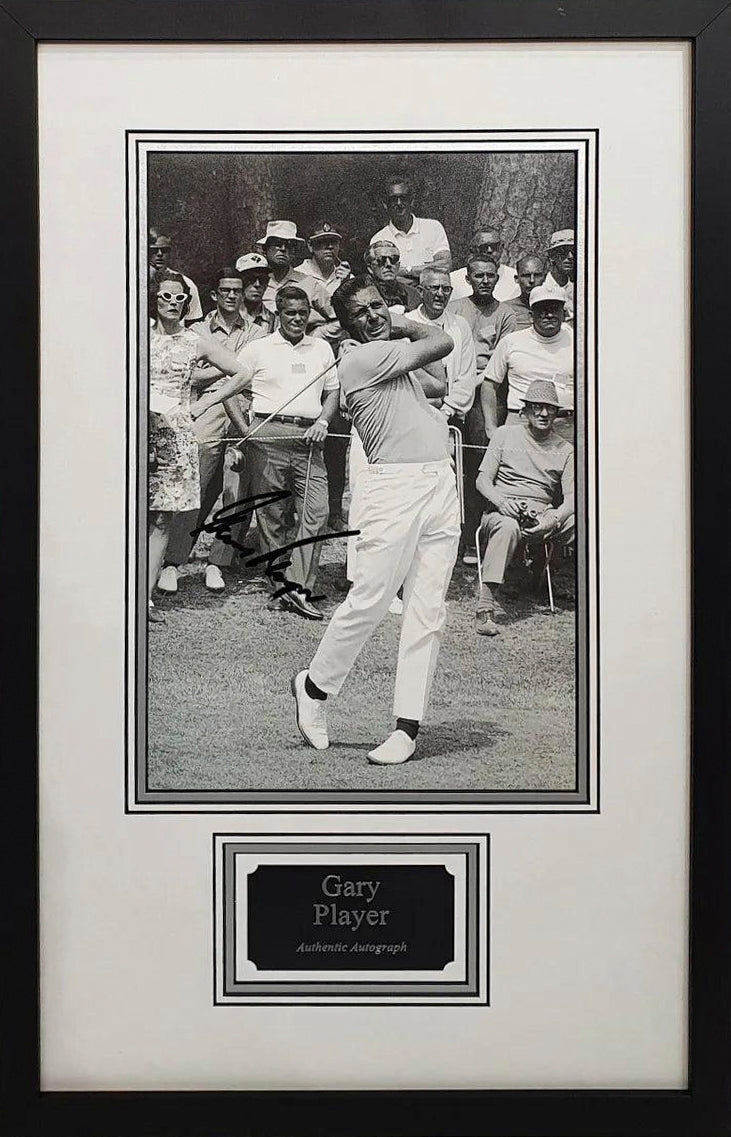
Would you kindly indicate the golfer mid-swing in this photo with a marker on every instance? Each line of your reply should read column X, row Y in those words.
column 407, row 513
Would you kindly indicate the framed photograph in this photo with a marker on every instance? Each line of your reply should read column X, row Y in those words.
column 368, row 620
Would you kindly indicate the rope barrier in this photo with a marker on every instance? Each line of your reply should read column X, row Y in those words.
column 280, row 438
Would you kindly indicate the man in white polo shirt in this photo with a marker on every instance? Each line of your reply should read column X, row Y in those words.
column 543, row 351
column 407, row 509
column 287, row 454
column 419, row 240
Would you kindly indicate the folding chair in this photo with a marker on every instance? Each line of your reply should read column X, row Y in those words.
column 548, row 547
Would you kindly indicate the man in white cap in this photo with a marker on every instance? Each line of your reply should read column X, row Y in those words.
column 562, row 257
column 254, row 270
column 408, row 515
column 279, row 244
column 420, row 240
column 489, row 243
column 545, row 351
column 158, row 256
column 324, row 262
column 527, row 480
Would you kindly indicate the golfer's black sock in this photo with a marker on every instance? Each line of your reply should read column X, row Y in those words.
column 313, row 691
column 408, row 726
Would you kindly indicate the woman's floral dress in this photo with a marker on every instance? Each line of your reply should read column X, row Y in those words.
column 175, row 476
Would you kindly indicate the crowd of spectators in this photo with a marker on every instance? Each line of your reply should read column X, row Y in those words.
column 244, row 401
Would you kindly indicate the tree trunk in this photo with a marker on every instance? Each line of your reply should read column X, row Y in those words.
column 526, row 197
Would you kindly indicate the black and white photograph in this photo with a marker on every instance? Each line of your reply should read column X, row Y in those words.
column 361, row 448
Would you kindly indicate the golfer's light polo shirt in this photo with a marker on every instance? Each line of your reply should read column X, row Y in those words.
column 525, row 356
column 425, row 238
column 388, row 406
column 278, row 368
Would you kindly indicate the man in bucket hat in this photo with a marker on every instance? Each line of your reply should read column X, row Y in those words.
column 527, row 480
column 562, row 257
column 280, row 247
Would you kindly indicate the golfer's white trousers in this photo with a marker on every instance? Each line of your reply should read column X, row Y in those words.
column 408, row 516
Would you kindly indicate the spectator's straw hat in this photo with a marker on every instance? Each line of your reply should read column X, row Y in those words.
column 252, row 262
column 541, row 391
column 561, row 237
column 284, row 230
column 546, row 292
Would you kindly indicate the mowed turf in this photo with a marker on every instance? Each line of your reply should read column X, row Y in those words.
column 221, row 714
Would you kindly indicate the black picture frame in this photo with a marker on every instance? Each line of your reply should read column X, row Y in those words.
column 704, row 1110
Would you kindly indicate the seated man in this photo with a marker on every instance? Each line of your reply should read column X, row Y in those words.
column 526, row 469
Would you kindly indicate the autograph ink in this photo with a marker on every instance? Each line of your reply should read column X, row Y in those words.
column 276, row 560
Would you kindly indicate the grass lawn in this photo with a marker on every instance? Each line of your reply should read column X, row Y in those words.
column 221, row 715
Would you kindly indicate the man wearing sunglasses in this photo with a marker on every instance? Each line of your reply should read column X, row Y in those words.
column 158, row 256
column 527, row 480
column 221, row 465
column 382, row 261
column 420, row 240
column 461, row 363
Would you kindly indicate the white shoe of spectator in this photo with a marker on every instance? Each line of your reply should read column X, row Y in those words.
column 397, row 748
column 396, row 607
column 214, row 579
column 311, row 714
column 168, row 579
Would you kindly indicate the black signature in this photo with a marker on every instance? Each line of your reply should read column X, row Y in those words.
column 276, row 560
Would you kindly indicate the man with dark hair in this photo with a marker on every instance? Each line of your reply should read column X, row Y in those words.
column 488, row 242
column 514, row 315
column 407, row 514
column 287, row 455
column 382, row 260
column 158, row 256
column 527, row 480
column 221, row 466
column 421, row 241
